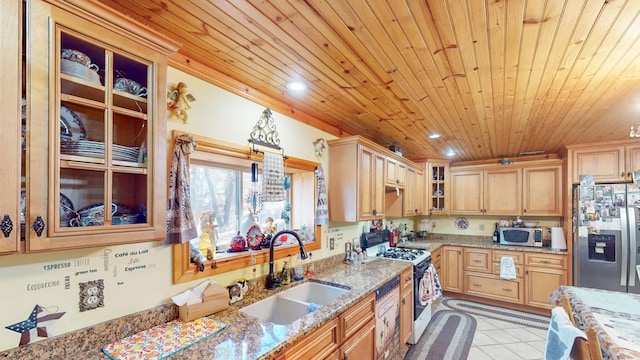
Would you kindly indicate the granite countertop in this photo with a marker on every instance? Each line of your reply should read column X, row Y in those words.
column 435, row 241
column 247, row 338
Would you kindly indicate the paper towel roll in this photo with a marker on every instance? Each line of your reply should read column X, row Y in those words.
column 557, row 239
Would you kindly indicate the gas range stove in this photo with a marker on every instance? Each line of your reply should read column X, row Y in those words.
column 377, row 245
column 415, row 256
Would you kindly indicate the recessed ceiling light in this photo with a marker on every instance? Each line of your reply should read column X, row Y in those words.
column 296, row 86
column 450, row 153
column 434, row 136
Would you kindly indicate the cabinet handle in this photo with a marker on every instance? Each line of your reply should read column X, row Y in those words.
column 478, row 285
column 374, row 212
column 476, row 260
column 404, row 301
column 6, row 225
column 545, row 261
column 38, row 225
column 628, row 174
column 622, row 174
column 505, row 289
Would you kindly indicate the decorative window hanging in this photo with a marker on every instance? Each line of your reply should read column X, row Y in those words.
column 264, row 133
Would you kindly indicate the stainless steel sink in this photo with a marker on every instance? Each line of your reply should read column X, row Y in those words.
column 290, row 305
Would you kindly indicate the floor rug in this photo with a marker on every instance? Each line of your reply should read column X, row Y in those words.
column 447, row 337
column 498, row 313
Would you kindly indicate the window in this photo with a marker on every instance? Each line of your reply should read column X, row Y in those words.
column 216, row 188
column 220, row 173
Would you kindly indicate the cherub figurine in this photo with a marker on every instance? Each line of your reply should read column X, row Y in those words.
column 178, row 102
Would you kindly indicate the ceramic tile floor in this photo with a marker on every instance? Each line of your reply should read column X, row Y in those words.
column 499, row 340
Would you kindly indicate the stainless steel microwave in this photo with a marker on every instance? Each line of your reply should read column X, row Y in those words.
column 521, row 236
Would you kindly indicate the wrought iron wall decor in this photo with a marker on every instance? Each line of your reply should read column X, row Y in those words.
column 264, row 132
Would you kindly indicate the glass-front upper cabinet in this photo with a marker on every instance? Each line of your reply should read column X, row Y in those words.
column 96, row 153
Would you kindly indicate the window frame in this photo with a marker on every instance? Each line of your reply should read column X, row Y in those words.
column 221, row 152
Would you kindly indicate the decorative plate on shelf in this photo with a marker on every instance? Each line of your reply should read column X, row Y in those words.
column 71, row 127
column 462, row 223
column 254, row 237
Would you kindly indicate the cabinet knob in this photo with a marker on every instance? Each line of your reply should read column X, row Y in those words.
column 374, row 212
column 628, row 174
column 524, row 210
column 622, row 174
column 404, row 301
column 6, row 225
column 38, row 225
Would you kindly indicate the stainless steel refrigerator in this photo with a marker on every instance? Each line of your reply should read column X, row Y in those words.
column 606, row 235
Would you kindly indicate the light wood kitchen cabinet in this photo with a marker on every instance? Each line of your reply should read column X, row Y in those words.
column 466, row 192
column 406, row 306
column 486, row 192
column 92, row 138
column 502, row 191
column 436, row 260
column 542, row 190
column 529, row 189
column 437, row 187
column 356, row 180
column 544, row 273
column 352, row 332
column 477, row 259
column 362, row 345
column 396, row 173
column 414, row 192
column 452, row 264
column 320, row 344
column 607, row 161
column 11, row 80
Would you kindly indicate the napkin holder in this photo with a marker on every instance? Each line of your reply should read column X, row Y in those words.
column 214, row 299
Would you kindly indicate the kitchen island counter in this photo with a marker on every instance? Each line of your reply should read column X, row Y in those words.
column 614, row 315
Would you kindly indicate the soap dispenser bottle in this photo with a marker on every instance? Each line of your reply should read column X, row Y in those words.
column 284, row 276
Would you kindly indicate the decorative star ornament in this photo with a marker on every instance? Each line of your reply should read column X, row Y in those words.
column 36, row 325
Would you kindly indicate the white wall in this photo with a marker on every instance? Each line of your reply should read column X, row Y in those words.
column 137, row 276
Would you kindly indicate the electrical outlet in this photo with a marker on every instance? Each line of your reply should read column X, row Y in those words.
column 91, row 295
column 332, row 244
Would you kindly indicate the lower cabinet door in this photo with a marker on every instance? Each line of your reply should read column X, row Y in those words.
column 406, row 315
column 362, row 345
column 490, row 286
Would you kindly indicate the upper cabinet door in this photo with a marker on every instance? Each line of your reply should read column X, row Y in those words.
column 97, row 153
column 542, row 191
column 502, row 192
column 10, row 138
column 606, row 164
column 467, row 192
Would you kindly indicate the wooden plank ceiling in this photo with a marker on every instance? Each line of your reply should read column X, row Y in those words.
column 495, row 77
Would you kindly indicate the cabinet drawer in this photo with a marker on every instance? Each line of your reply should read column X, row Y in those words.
column 477, row 260
column 518, row 257
column 519, row 269
column 358, row 315
column 546, row 260
column 406, row 279
column 494, row 288
column 317, row 345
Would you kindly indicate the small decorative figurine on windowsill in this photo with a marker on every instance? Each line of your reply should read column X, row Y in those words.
column 178, row 100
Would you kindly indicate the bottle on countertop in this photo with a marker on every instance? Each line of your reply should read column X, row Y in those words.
column 284, row 276
column 496, row 234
